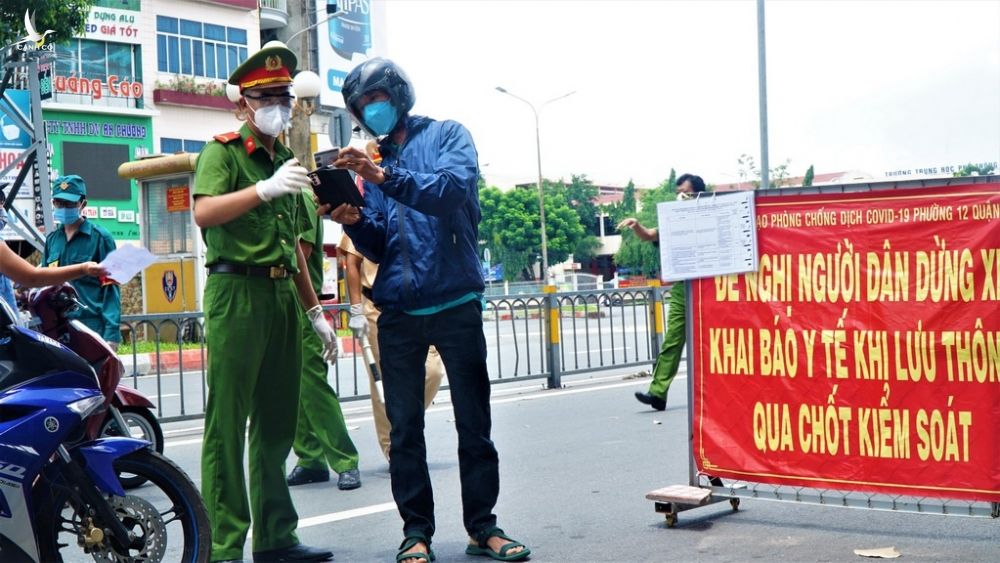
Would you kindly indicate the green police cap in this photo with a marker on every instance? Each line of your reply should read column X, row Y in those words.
column 69, row 188
column 273, row 65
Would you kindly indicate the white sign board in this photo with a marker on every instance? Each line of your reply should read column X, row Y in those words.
column 708, row 236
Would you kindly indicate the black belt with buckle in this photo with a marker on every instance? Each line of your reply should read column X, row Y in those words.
column 270, row 272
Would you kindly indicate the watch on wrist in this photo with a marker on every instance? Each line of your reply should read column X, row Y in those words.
column 387, row 172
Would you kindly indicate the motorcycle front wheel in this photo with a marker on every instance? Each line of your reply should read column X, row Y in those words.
column 166, row 518
column 142, row 424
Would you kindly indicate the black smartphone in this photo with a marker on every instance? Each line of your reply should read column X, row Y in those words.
column 335, row 186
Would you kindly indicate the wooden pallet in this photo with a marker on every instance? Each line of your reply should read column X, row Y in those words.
column 676, row 498
column 680, row 494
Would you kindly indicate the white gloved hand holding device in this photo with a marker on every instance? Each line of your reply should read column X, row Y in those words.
column 289, row 179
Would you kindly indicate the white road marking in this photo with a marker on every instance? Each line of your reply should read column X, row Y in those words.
column 602, row 350
column 549, row 395
column 346, row 514
column 342, row 515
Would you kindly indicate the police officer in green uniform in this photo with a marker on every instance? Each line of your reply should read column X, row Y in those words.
column 321, row 439
column 78, row 241
column 250, row 208
column 669, row 358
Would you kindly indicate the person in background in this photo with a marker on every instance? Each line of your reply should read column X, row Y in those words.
column 79, row 240
column 321, row 438
column 360, row 273
column 669, row 359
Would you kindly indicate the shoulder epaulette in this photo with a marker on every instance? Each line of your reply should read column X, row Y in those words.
column 227, row 137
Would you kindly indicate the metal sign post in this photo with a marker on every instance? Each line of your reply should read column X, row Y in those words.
column 21, row 69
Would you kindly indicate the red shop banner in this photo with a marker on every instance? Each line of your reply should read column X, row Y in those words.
column 864, row 354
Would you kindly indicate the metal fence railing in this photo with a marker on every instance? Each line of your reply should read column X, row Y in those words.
column 528, row 336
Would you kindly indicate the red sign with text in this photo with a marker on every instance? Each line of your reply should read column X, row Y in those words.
column 178, row 198
column 864, row 354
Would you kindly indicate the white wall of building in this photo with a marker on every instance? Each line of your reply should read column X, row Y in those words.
column 182, row 122
column 191, row 123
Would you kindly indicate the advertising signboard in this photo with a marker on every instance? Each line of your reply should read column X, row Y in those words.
column 115, row 20
column 344, row 41
column 93, row 146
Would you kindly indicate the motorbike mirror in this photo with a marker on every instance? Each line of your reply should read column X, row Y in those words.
column 80, row 304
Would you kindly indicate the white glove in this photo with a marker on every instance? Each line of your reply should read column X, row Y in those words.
column 289, row 179
column 325, row 332
column 358, row 322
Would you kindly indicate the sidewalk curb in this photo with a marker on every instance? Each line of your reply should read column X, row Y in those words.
column 146, row 364
column 170, row 362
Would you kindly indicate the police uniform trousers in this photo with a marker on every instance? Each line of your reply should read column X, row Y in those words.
column 253, row 328
column 669, row 358
column 321, row 437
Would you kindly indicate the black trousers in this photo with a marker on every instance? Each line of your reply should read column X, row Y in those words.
column 457, row 333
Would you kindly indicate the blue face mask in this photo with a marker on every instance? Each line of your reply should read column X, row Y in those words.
column 66, row 215
column 381, row 117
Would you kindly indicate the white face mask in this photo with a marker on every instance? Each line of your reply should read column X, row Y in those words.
column 272, row 120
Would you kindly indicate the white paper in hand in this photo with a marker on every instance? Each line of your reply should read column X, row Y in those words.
column 123, row 264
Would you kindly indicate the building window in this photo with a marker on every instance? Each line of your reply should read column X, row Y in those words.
column 98, row 73
column 169, row 145
column 198, row 49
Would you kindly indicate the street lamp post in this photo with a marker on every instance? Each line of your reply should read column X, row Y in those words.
column 538, row 154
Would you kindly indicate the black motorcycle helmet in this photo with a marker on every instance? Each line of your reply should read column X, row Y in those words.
column 378, row 74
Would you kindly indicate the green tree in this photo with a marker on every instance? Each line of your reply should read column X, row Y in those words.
column 808, row 180
column 636, row 254
column 984, row 169
column 579, row 194
column 628, row 197
column 65, row 18
column 510, row 228
column 748, row 171
column 779, row 174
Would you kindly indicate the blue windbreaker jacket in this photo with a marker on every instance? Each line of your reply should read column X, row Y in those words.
column 422, row 224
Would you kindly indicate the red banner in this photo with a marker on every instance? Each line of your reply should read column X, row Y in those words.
column 865, row 352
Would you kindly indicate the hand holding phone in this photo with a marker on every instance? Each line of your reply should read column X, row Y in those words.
column 334, row 186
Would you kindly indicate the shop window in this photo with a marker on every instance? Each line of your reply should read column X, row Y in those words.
column 98, row 73
column 196, row 49
column 169, row 145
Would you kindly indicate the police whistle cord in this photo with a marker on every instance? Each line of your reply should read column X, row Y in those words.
column 376, row 376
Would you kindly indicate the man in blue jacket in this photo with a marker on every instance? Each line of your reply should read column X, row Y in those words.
column 420, row 223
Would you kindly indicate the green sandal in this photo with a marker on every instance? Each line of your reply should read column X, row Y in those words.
column 479, row 546
column 411, row 541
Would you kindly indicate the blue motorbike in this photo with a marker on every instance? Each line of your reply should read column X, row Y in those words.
column 60, row 494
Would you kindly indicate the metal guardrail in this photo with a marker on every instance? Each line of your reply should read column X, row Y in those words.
column 528, row 336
